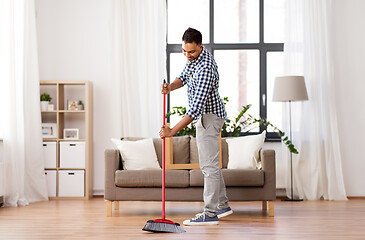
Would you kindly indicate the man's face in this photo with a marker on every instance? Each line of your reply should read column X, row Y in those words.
column 191, row 50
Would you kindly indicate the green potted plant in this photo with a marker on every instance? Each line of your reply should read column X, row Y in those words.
column 232, row 128
column 80, row 105
column 45, row 100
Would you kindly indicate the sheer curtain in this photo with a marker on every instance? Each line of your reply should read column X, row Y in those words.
column 138, row 34
column 24, row 168
column 317, row 169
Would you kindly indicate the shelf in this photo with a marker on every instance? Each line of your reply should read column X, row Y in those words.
column 66, row 169
column 70, row 169
column 65, row 111
column 71, row 140
column 71, row 111
column 71, row 83
column 48, row 111
column 49, row 139
column 63, row 140
column 64, row 93
column 46, row 82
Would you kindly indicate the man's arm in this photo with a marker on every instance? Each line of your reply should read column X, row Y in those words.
column 169, row 132
column 167, row 88
column 165, row 130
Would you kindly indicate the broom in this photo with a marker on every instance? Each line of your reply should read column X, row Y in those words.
column 163, row 225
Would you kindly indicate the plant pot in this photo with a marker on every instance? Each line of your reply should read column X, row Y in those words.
column 44, row 105
column 80, row 107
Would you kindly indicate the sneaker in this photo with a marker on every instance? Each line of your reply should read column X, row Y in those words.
column 224, row 212
column 201, row 219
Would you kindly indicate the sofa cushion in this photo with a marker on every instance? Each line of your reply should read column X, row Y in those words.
column 181, row 147
column 232, row 178
column 244, row 151
column 137, row 155
column 224, row 153
column 157, row 142
column 151, row 178
column 194, row 156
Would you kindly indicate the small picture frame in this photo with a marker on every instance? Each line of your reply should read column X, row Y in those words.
column 71, row 133
column 49, row 130
column 72, row 105
column 50, row 107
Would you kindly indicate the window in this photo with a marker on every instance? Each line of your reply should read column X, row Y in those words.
column 246, row 39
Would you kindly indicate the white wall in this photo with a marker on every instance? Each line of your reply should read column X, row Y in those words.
column 280, row 165
column 349, row 38
column 73, row 45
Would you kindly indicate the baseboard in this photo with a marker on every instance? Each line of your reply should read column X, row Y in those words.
column 280, row 193
column 98, row 192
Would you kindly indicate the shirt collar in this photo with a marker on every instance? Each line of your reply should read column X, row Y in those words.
column 200, row 56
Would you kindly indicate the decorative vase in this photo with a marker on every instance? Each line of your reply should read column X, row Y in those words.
column 80, row 107
column 44, row 105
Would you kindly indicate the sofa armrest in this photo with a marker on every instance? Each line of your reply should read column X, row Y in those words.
column 112, row 161
column 268, row 166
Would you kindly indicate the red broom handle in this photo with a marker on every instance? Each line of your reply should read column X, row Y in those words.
column 163, row 159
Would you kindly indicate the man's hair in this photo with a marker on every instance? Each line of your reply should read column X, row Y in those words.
column 192, row 35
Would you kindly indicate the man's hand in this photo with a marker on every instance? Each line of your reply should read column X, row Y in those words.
column 170, row 132
column 166, row 132
column 166, row 88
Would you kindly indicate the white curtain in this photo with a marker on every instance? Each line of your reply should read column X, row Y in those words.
column 138, row 35
column 20, row 104
column 317, row 169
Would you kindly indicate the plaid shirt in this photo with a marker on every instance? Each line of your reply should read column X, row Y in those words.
column 202, row 78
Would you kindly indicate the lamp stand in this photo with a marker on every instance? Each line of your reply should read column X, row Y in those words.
column 291, row 164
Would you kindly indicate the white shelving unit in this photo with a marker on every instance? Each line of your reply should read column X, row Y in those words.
column 69, row 162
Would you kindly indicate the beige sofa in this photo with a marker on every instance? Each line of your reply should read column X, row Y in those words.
column 187, row 185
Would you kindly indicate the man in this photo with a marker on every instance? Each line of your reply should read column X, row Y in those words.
column 201, row 76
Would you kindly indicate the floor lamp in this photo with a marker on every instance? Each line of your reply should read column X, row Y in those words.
column 288, row 89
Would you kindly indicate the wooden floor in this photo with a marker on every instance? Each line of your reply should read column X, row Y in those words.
column 86, row 219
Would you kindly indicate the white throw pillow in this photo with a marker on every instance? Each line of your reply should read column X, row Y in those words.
column 137, row 155
column 243, row 152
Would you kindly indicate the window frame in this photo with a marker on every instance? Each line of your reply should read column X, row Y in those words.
column 263, row 48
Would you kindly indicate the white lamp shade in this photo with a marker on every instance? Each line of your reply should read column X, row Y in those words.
column 289, row 88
